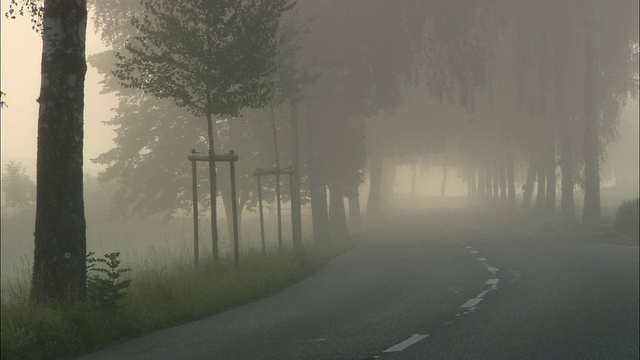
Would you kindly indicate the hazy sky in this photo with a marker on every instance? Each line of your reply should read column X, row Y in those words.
column 21, row 49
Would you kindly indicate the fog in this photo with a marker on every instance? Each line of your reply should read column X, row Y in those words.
column 414, row 100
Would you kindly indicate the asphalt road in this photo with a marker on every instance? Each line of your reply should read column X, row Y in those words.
column 432, row 286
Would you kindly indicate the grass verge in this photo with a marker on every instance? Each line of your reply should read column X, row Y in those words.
column 157, row 298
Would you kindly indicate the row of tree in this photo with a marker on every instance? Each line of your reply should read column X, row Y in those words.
column 505, row 83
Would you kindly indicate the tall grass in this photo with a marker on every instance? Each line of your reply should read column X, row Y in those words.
column 163, row 293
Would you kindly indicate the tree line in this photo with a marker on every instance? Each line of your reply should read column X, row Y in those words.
column 321, row 85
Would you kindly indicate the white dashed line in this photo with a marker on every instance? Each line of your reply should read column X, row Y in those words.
column 405, row 344
column 474, row 251
column 492, row 281
column 471, row 303
column 482, row 259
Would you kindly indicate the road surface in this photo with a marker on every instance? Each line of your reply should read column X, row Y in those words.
column 432, row 286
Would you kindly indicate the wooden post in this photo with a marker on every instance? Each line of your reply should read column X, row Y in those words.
column 194, row 177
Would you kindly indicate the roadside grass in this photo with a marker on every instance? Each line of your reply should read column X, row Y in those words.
column 617, row 225
column 161, row 295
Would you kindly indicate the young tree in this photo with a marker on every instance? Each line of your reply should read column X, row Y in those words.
column 18, row 190
column 211, row 57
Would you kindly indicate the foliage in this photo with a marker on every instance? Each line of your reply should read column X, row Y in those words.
column 209, row 57
column 18, row 190
column 627, row 217
column 104, row 285
column 33, row 8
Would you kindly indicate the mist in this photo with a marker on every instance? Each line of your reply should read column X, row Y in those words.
column 425, row 104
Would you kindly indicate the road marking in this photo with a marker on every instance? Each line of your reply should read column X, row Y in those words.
column 405, row 344
column 482, row 294
column 492, row 269
column 474, row 251
column 482, row 259
column 492, row 281
column 318, row 340
column 468, row 247
column 471, row 303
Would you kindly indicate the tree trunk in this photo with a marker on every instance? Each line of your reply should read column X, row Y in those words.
column 503, row 182
column 337, row 215
column 527, row 189
column 495, row 172
column 59, row 267
column 318, row 188
column 355, row 219
column 541, row 196
column 387, row 186
column 444, row 180
column 550, row 208
column 278, row 197
column 296, row 213
column 213, row 187
column 375, row 181
column 482, row 190
column 567, row 203
column 591, row 145
column 511, row 184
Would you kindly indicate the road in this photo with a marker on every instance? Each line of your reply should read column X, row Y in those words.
column 432, row 286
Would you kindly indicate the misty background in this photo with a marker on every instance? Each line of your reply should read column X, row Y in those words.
column 396, row 133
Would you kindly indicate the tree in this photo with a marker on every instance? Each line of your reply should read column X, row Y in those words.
column 212, row 58
column 60, row 230
column 18, row 190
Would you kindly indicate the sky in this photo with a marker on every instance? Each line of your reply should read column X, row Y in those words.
column 20, row 80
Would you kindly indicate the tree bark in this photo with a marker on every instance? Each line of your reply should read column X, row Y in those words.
column 337, row 215
column 375, row 181
column 444, row 180
column 59, row 267
column 591, row 145
column 511, row 184
column 296, row 212
column 355, row 219
column 527, row 188
column 318, row 188
column 278, row 197
column 541, row 196
column 213, row 186
column 550, row 201
column 567, row 202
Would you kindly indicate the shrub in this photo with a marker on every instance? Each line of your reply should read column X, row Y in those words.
column 104, row 285
column 627, row 217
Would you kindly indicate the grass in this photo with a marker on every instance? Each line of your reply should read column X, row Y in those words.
column 160, row 295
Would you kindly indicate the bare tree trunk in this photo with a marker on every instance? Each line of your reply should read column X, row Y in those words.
column 59, row 268
column 550, row 208
column 591, row 145
column 567, row 203
column 278, row 197
column 213, row 188
column 511, row 184
column 503, row 182
column 527, row 188
column 482, row 191
column 296, row 213
column 541, row 196
column 375, row 181
column 318, row 187
column 495, row 175
column 337, row 215
column 355, row 219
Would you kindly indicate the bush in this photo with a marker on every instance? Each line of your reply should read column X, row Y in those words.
column 105, row 286
column 627, row 217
